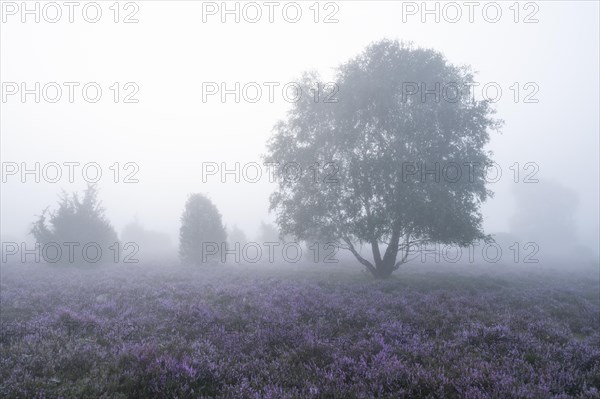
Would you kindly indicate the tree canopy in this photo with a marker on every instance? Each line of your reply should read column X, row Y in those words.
column 201, row 224
column 78, row 222
column 383, row 136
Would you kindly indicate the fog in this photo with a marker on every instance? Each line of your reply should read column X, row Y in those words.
column 171, row 132
column 353, row 199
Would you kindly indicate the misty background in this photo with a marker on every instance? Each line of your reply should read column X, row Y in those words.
column 170, row 132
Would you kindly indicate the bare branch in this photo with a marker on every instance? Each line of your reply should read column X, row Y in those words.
column 362, row 260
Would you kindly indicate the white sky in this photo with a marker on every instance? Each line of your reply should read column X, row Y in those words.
column 170, row 132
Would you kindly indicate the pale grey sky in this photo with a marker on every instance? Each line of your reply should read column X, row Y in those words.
column 170, row 52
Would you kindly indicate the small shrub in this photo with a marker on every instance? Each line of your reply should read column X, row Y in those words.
column 78, row 221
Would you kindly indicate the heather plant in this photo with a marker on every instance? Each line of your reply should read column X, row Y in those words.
column 201, row 228
column 253, row 333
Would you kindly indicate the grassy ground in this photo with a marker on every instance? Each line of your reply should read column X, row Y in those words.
column 432, row 331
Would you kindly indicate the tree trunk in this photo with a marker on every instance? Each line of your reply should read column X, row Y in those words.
column 382, row 271
column 384, row 267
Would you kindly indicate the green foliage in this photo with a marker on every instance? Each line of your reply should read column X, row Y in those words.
column 373, row 133
column 79, row 221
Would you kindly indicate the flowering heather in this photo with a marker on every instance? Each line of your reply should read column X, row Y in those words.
column 234, row 332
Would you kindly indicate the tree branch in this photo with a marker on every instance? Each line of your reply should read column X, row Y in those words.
column 362, row 260
column 406, row 246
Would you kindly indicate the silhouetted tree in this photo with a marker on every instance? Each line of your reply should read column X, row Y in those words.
column 268, row 233
column 200, row 223
column 78, row 221
column 152, row 245
column 377, row 129
column 237, row 235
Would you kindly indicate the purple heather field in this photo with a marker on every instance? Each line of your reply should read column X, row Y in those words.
column 299, row 331
column 331, row 199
